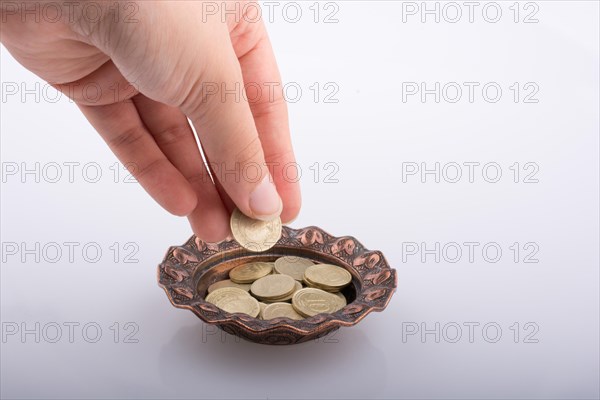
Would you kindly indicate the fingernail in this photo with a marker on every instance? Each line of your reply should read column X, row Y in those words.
column 265, row 202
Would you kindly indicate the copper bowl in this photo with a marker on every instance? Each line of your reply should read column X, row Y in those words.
column 188, row 270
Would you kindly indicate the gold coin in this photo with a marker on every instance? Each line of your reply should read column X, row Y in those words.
column 342, row 299
column 311, row 284
column 292, row 266
column 273, row 287
column 225, row 292
column 228, row 283
column 234, row 300
column 308, row 283
column 310, row 302
column 262, row 309
column 248, row 273
column 340, row 295
column 277, row 310
column 255, row 235
column 288, row 297
column 327, row 276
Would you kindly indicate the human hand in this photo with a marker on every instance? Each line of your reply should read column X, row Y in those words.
column 151, row 74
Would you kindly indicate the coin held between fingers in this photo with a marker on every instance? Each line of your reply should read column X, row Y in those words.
column 254, row 235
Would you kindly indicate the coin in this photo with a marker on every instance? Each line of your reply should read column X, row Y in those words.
column 329, row 289
column 228, row 283
column 234, row 300
column 273, row 287
column 310, row 302
column 255, row 235
column 288, row 297
column 255, row 286
column 218, row 294
column 248, row 273
column 277, row 310
column 327, row 277
column 262, row 309
column 292, row 266
column 310, row 284
column 342, row 298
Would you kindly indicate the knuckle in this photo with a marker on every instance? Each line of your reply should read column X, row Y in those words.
column 248, row 153
column 202, row 99
column 264, row 107
column 281, row 157
column 171, row 135
column 126, row 138
column 149, row 168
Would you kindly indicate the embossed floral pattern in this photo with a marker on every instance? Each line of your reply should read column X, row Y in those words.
column 374, row 281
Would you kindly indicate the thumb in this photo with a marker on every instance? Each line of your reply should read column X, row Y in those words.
column 220, row 112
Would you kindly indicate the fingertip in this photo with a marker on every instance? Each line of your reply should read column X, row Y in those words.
column 211, row 234
column 290, row 213
column 292, row 201
column 210, row 227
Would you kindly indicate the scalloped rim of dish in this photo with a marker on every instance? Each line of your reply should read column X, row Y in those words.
column 316, row 323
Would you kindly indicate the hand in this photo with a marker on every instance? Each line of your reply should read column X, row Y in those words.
column 151, row 71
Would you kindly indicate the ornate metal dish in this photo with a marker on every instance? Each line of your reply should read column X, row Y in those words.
column 188, row 270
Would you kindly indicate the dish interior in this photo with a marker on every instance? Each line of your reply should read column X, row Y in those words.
column 217, row 267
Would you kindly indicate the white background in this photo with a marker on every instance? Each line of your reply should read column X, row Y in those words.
column 370, row 134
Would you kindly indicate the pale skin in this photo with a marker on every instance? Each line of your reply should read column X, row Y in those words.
column 154, row 74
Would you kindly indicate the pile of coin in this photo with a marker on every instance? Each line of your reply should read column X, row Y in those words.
column 270, row 290
column 291, row 287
